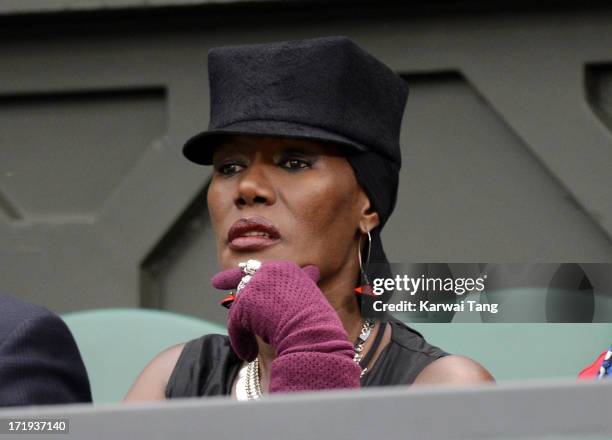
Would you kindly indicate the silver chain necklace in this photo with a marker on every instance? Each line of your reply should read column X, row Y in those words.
column 252, row 384
column 368, row 325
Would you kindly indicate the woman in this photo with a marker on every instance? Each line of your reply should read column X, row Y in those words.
column 304, row 139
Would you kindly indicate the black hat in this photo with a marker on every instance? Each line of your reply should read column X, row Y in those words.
column 325, row 89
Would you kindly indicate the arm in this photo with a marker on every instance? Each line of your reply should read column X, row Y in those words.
column 453, row 370
column 41, row 364
column 152, row 381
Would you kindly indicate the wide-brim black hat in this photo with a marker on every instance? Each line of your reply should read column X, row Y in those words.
column 326, row 89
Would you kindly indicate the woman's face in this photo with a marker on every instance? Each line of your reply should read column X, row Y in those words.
column 276, row 198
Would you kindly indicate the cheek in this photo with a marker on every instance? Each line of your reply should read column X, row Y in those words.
column 326, row 219
column 327, row 206
column 217, row 204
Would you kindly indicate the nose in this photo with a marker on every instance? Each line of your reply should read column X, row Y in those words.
column 255, row 186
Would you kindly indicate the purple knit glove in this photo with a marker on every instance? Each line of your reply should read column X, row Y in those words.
column 283, row 305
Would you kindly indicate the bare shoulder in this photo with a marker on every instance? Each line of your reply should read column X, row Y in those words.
column 453, row 369
column 152, row 381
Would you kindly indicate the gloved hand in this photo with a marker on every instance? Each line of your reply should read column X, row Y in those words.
column 283, row 305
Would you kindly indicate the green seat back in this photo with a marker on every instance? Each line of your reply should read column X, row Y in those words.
column 116, row 344
column 523, row 351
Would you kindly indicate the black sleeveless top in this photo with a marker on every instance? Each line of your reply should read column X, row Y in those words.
column 208, row 366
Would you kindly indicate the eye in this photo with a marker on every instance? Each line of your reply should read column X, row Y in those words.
column 296, row 164
column 228, row 169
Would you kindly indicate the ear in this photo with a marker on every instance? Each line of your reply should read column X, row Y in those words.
column 368, row 216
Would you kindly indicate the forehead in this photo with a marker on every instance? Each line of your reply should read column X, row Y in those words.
column 272, row 144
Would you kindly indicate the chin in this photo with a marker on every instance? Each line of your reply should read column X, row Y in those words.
column 230, row 258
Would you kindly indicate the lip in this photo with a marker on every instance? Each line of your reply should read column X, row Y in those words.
column 252, row 233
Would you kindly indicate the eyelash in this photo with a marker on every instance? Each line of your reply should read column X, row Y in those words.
column 302, row 164
column 223, row 169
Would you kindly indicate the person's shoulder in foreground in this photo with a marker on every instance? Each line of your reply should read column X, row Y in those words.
column 434, row 366
column 40, row 363
column 453, row 369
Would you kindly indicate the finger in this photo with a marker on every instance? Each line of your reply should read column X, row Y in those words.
column 228, row 279
column 312, row 271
